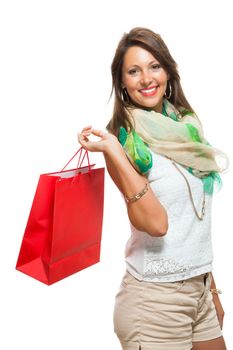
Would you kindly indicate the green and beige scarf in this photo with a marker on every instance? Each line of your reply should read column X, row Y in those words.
column 177, row 137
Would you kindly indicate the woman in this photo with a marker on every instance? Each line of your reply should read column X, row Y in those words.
column 156, row 154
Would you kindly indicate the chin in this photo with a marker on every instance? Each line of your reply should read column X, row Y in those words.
column 156, row 105
column 153, row 103
column 148, row 103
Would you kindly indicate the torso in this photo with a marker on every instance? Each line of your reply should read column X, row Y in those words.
column 186, row 250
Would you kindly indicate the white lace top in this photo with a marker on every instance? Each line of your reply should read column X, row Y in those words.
column 186, row 250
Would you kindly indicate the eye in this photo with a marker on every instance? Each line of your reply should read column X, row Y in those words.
column 133, row 71
column 156, row 66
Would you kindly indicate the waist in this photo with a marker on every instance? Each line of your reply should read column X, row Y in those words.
column 168, row 272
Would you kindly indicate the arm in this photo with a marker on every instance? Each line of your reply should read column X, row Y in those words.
column 147, row 214
column 217, row 302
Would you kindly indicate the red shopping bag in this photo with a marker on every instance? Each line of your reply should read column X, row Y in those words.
column 63, row 232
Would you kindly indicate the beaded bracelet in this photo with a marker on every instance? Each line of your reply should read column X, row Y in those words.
column 137, row 196
column 215, row 291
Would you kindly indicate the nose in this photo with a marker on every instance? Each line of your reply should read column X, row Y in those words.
column 146, row 78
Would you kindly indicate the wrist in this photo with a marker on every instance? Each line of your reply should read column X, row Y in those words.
column 215, row 292
column 113, row 149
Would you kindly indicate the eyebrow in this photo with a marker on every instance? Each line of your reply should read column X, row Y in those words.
column 136, row 65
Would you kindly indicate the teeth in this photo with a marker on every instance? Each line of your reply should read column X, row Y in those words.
column 149, row 90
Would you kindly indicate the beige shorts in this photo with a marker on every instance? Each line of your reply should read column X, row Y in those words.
column 165, row 315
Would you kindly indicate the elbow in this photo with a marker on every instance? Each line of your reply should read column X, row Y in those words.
column 158, row 232
column 154, row 226
column 159, row 229
column 154, row 230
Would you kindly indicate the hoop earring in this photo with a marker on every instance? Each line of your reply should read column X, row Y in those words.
column 125, row 96
column 170, row 90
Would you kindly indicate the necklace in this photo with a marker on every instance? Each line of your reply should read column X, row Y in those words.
column 201, row 216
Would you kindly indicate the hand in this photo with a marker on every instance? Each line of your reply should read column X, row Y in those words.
column 219, row 309
column 107, row 141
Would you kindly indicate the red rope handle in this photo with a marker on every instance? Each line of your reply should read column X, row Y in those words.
column 78, row 166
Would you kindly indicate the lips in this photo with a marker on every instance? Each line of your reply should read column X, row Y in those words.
column 151, row 91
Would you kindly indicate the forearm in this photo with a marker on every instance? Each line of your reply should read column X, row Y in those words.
column 146, row 214
column 213, row 285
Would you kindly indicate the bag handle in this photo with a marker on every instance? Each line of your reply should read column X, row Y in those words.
column 78, row 166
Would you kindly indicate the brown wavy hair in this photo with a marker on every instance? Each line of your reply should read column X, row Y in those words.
column 153, row 43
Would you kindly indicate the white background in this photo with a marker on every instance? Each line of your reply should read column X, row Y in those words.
column 55, row 79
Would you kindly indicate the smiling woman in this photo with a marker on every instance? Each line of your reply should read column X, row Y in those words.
column 143, row 74
column 144, row 79
column 159, row 159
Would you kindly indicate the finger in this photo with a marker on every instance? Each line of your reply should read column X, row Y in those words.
column 96, row 132
column 222, row 323
column 84, row 135
column 220, row 320
column 87, row 128
column 81, row 137
column 86, row 144
column 83, row 141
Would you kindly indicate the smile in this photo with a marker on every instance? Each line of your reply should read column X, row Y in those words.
column 149, row 91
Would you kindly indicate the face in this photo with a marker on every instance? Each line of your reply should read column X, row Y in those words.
column 144, row 78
